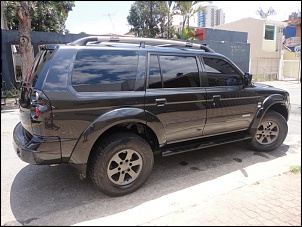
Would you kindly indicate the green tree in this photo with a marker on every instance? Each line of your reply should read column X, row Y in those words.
column 151, row 18
column 171, row 31
column 144, row 18
column 187, row 34
column 165, row 19
column 46, row 16
column 162, row 19
column 136, row 21
column 187, row 9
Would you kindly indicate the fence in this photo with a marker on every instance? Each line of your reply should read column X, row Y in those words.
column 291, row 69
column 265, row 69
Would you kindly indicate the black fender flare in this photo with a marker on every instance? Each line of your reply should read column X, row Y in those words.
column 266, row 104
column 104, row 122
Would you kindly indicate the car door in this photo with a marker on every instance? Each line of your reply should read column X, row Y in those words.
column 229, row 106
column 174, row 95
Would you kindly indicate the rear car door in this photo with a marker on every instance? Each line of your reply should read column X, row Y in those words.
column 230, row 107
column 174, row 95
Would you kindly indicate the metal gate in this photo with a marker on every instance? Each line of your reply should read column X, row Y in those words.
column 291, row 69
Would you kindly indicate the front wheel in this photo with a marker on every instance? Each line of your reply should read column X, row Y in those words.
column 121, row 163
column 271, row 132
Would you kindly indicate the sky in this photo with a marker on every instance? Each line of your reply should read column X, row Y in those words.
column 103, row 17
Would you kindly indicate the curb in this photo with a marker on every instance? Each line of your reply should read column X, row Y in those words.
column 172, row 203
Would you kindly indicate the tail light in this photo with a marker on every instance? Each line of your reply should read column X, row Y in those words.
column 37, row 112
column 39, row 105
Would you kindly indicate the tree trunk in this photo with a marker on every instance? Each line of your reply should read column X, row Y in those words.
column 183, row 27
column 168, row 25
column 24, row 30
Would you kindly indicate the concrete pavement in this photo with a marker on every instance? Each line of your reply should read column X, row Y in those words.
column 275, row 201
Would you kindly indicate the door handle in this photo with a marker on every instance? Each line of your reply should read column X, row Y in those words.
column 216, row 97
column 160, row 102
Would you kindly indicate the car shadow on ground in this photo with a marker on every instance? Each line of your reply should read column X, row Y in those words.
column 44, row 195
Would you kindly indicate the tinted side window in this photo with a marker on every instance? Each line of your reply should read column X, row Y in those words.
column 179, row 71
column 221, row 73
column 155, row 80
column 173, row 71
column 105, row 70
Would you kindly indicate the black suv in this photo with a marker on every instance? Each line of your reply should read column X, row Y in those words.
column 106, row 105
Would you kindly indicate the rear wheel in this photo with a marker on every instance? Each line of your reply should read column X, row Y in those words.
column 271, row 132
column 121, row 163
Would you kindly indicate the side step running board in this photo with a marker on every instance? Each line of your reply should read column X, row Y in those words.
column 218, row 140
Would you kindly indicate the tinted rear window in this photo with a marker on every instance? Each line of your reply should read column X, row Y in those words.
column 42, row 57
column 105, row 70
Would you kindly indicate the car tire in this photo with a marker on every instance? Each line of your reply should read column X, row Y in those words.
column 121, row 163
column 270, row 133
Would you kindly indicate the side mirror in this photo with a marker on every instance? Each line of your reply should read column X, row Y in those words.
column 247, row 80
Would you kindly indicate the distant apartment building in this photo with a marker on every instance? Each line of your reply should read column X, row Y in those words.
column 211, row 16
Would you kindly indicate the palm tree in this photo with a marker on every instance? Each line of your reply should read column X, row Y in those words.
column 187, row 9
column 187, row 34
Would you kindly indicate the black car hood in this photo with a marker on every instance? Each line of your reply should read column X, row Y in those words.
column 262, row 85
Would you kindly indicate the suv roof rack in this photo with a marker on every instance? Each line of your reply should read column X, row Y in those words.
column 141, row 41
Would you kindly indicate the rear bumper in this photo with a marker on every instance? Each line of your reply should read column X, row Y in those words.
column 36, row 150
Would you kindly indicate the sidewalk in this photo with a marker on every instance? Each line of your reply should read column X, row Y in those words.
column 274, row 201
column 10, row 104
column 261, row 194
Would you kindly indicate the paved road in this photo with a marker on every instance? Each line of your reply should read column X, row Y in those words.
column 185, row 189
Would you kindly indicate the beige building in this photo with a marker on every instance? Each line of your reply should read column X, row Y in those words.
column 266, row 46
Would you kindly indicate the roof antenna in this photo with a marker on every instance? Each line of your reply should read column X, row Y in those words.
column 111, row 22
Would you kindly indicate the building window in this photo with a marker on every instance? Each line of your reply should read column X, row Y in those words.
column 269, row 32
